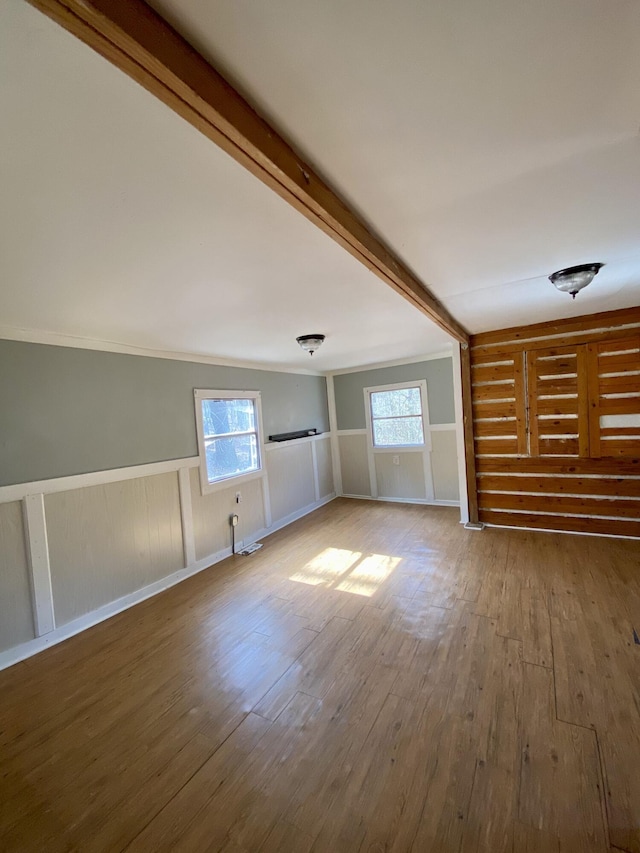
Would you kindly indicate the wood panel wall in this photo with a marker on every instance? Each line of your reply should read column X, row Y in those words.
column 556, row 421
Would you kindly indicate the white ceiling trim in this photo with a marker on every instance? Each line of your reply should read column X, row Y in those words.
column 432, row 356
column 55, row 339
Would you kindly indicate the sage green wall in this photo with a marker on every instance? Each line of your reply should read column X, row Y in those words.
column 348, row 388
column 70, row 411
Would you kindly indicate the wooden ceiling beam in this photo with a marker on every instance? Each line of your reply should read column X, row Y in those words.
column 137, row 40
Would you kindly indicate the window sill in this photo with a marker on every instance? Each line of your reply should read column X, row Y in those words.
column 230, row 482
column 403, row 448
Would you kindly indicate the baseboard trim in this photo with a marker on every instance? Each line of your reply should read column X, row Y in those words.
column 16, row 654
column 88, row 620
column 289, row 519
column 559, row 530
column 417, row 501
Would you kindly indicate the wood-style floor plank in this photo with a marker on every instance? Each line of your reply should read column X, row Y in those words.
column 560, row 779
column 375, row 678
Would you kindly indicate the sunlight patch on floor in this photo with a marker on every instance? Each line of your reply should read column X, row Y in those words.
column 347, row 571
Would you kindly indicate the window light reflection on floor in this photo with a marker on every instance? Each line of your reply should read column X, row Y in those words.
column 348, row 571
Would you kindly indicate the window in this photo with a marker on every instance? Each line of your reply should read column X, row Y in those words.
column 396, row 415
column 228, row 435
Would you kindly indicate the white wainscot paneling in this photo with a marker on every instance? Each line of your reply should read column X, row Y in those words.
column 16, row 616
column 211, row 513
column 108, row 541
column 444, row 464
column 111, row 539
column 354, row 464
column 291, row 479
column 325, row 467
column 401, row 479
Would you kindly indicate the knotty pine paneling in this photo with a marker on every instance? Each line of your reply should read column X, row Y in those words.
column 615, row 410
column 556, row 411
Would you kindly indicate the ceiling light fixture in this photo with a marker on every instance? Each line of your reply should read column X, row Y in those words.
column 573, row 279
column 310, row 343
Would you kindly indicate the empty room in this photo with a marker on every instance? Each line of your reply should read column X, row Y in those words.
column 320, row 426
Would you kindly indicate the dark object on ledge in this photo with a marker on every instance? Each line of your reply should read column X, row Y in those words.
column 286, row 436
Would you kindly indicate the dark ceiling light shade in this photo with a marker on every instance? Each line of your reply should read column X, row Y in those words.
column 310, row 343
column 573, row 279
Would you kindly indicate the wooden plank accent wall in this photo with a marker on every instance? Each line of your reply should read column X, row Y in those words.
column 556, row 422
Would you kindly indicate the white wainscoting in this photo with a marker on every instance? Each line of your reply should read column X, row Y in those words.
column 401, row 475
column 106, row 542
column 77, row 550
column 211, row 513
column 354, row 462
column 291, row 479
column 16, row 620
column 444, row 464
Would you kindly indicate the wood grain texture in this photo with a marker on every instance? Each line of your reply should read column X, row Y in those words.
column 584, row 505
column 468, row 416
column 505, row 427
column 489, row 446
column 489, row 409
column 134, row 38
column 578, row 524
column 589, row 323
column 575, row 372
column 479, row 693
column 494, row 391
column 497, row 352
column 629, row 487
column 629, row 467
column 520, row 392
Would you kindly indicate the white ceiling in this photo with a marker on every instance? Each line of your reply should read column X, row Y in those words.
column 489, row 143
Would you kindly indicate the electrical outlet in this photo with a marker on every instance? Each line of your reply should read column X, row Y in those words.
column 238, row 497
column 396, row 460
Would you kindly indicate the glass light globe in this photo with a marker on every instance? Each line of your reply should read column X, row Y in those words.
column 573, row 279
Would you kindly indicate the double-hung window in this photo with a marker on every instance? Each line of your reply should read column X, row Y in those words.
column 228, row 435
column 396, row 416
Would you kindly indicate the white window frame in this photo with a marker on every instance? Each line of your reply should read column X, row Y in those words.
column 201, row 394
column 424, row 449
column 421, row 385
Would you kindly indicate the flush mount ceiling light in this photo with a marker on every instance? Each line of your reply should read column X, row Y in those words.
column 573, row 279
column 310, row 343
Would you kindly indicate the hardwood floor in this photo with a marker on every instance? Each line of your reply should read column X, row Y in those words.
column 376, row 678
